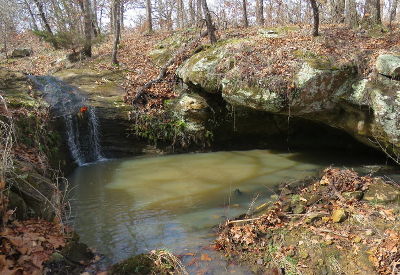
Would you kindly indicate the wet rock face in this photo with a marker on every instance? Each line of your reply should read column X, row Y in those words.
column 103, row 92
column 337, row 96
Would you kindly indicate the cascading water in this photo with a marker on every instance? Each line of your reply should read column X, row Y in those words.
column 81, row 123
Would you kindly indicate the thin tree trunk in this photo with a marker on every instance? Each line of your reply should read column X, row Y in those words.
column 95, row 19
column 351, row 14
column 5, row 39
column 117, row 21
column 393, row 10
column 181, row 14
column 87, row 48
column 199, row 14
column 337, row 10
column 209, row 23
column 112, row 28
column 42, row 15
column 34, row 24
column 245, row 20
column 315, row 10
column 260, row 12
column 121, row 19
column 372, row 12
column 192, row 12
column 149, row 16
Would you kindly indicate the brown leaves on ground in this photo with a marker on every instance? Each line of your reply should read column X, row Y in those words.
column 344, row 180
column 246, row 235
column 260, row 58
column 44, row 59
column 26, row 245
column 386, row 256
column 366, row 228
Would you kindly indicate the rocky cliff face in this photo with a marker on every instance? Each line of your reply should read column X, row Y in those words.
column 338, row 95
column 37, row 148
column 103, row 92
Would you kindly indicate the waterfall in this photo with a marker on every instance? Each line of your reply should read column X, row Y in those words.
column 82, row 128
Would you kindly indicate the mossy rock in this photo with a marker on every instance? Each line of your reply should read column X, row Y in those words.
column 139, row 264
column 160, row 56
column 77, row 252
column 204, row 69
column 17, row 203
column 381, row 192
column 388, row 65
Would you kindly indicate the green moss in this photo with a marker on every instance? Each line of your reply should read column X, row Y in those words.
column 160, row 56
column 139, row 264
column 319, row 62
column 168, row 127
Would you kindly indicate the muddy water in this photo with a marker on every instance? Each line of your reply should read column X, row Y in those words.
column 129, row 206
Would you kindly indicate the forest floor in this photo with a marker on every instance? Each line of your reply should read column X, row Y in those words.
column 342, row 223
column 266, row 57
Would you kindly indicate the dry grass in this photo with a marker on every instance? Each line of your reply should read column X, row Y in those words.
column 165, row 260
column 7, row 139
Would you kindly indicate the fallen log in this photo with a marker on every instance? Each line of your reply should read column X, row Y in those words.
column 140, row 92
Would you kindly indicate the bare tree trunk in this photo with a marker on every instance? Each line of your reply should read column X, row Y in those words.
column 372, row 12
column 87, row 17
column 337, row 10
column 199, row 14
column 351, row 14
column 34, row 24
column 122, row 13
column 117, row 32
column 181, row 14
column 393, row 10
column 260, row 12
column 5, row 38
column 315, row 11
column 149, row 16
column 209, row 23
column 112, row 28
column 192, row 12
column 245, row 20
column 42, row 15
column 95, row 19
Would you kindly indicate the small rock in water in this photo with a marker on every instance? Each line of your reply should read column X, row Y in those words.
column 338, row 215
column 237, row 192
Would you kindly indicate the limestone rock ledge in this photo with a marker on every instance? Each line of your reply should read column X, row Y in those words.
column 335, row 94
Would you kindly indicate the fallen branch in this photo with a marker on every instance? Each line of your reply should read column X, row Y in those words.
column 163, row 71
column 245, row 220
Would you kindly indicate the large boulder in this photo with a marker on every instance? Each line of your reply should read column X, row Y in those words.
column 21, row 52
column 320, row 90
column 388, row 65
column 207, row 68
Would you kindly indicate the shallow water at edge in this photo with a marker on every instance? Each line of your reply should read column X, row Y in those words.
column 129, row 206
